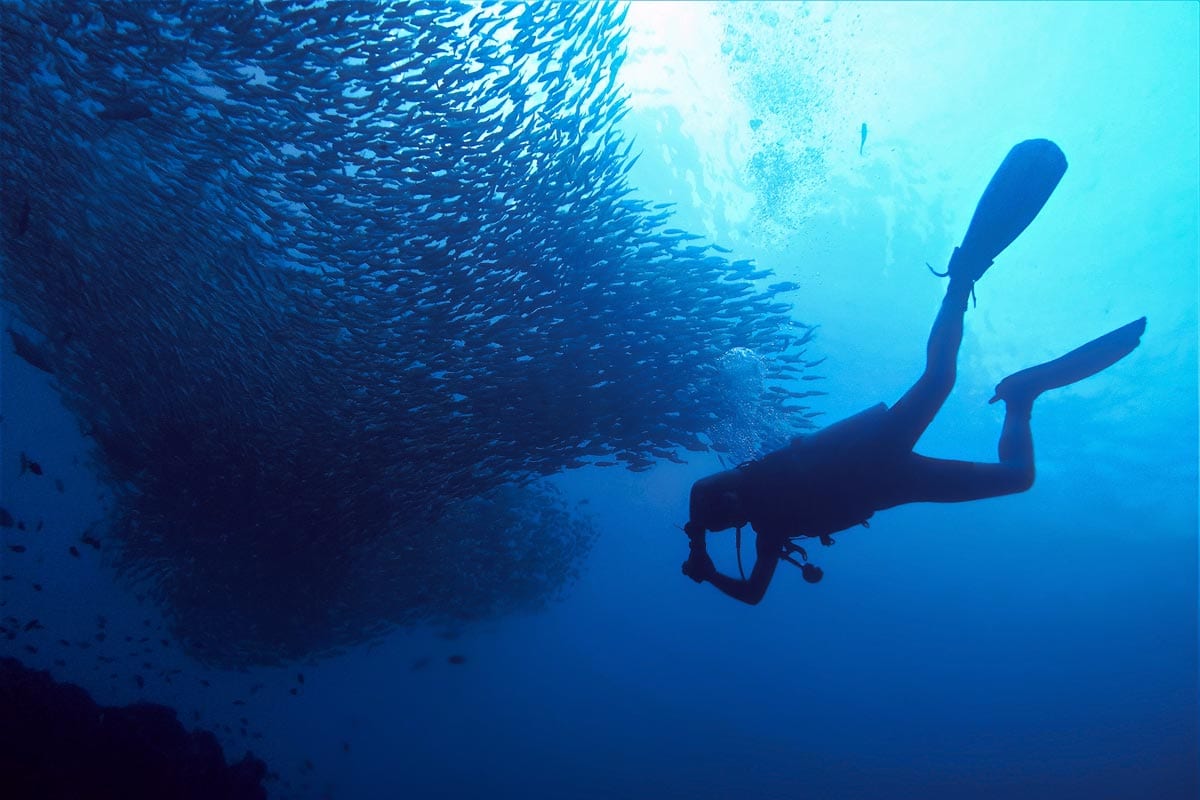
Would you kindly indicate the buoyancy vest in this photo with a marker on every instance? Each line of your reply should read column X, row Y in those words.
column 821, row 482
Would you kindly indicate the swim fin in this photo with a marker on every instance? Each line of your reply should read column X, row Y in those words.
column 1080, row 363
column 1014, row 196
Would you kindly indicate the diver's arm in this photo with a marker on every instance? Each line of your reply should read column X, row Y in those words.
column 752, row 589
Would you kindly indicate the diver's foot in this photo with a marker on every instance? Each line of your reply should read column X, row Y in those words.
column 965, row 267
column 1080, row 363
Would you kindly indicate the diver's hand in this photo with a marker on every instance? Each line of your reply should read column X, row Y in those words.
column 699, row 567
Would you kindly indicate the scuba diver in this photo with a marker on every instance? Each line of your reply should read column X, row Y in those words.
column 839, row 476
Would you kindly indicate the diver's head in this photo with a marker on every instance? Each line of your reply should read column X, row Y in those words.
column 716, row 502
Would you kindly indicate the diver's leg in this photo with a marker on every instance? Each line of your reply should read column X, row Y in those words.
column 914, row 478
column 920, row 479
column 913, row 412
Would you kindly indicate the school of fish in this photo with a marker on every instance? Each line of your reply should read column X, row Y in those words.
column 330, row 286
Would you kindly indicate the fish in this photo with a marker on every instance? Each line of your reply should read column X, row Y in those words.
column 23, row 216
column 124, row 110
column 863, row 141
column 28, row 465
column 37, row 356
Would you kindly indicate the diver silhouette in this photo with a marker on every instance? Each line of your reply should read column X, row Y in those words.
column 839, row 476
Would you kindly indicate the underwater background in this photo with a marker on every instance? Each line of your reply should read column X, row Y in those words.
column 361, row 362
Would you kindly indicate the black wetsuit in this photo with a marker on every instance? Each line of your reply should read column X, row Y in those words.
column 824, row 482
column 839, row 476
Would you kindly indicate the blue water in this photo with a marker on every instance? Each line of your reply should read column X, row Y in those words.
column 1042, row 645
